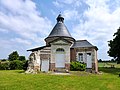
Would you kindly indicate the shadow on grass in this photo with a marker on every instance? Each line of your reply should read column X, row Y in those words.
column 20, row 71
column 110, row 70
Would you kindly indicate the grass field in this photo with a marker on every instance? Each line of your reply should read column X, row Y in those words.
column 17, row 80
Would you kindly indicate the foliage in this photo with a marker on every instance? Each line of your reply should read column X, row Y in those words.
column 4, row 65
column 16, row 64
column 13, row 56
column 100, row 60
column 22, row 58
column 13, row 65
column 77, row 66
column 114, row 50
column 25, row 64
column 3, row 60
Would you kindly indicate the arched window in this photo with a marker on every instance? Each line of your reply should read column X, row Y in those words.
column 60, row 50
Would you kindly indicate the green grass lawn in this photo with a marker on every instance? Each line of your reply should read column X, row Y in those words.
column 17, row 80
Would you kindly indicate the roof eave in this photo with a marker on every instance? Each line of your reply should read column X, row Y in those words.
column 39, row 48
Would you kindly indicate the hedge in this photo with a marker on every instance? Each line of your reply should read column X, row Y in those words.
column 77, row 66
column 13, row 65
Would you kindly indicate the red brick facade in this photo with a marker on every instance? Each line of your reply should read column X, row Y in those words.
column 72, row 54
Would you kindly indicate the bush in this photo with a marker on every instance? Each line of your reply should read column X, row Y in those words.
column 13, row 65
column 16, row 64
column 25, row 64
column 4, row 65
column 77, row 66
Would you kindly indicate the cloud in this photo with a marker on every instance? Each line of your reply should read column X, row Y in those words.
column 94, row 20
column 21, row 41
column 22, row 25
column 99, row 26
column 65, row 1
column 56, row 3
column 70, row 14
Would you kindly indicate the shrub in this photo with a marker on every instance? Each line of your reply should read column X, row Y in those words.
column 25, row 64
column 13, row 65
column 77, row 66
column 4, row 65
column 16, row 64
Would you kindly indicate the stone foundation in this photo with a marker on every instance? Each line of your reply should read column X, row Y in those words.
column 89, row 70
column 93, row 66
column 67, row 66
column 36, row 68
column 52, row 67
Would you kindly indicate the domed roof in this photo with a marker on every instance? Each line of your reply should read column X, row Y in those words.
column 59, row 30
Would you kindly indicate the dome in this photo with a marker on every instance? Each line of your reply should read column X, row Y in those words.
column 59, row 30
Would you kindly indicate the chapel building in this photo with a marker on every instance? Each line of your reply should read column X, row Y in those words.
column 61, row 49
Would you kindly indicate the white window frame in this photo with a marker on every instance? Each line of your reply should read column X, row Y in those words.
column 78, row 58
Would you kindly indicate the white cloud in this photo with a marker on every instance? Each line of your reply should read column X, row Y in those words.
column 70, row 3
column 57, row 4
column 67, row 1
column 70, row 14
column 99, row 26
column 23, row 24
column 21, row 41
column 94, row 20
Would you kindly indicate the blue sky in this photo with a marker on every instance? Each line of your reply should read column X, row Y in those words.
column 24, row 24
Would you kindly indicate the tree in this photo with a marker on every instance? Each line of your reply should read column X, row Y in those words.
column 100, row 60
column 25, row 64
column 114, row 50
column 22, row 58
column 16, row 65
column 13, row 56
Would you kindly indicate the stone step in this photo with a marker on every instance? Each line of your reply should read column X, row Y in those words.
column 61, row 70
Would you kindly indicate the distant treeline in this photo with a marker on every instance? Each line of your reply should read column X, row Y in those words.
column 112, row 60
column 14, row 62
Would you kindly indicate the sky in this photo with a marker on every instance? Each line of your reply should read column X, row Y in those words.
column 24, row 24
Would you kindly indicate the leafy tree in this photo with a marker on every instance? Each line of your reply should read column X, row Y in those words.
column 114, row 50
column 4, row 65
column 13, row 56
column 22, row 58
column 16, row 65
column 3, row 60
column 100, row 60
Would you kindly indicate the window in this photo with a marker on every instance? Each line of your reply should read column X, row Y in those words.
column 89, row 54
column 80, row 57
column 60, row 50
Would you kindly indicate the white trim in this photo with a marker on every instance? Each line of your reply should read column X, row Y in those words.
column 45, row 65
column 84, row 56
column 89, row 60
column 78, row 56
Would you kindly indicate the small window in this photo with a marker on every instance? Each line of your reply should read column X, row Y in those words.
column 89, row 54
column 80, row 57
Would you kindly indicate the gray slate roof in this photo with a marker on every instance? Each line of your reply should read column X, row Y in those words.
column 82, row 43
column 38, row 48
column 60, row 29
